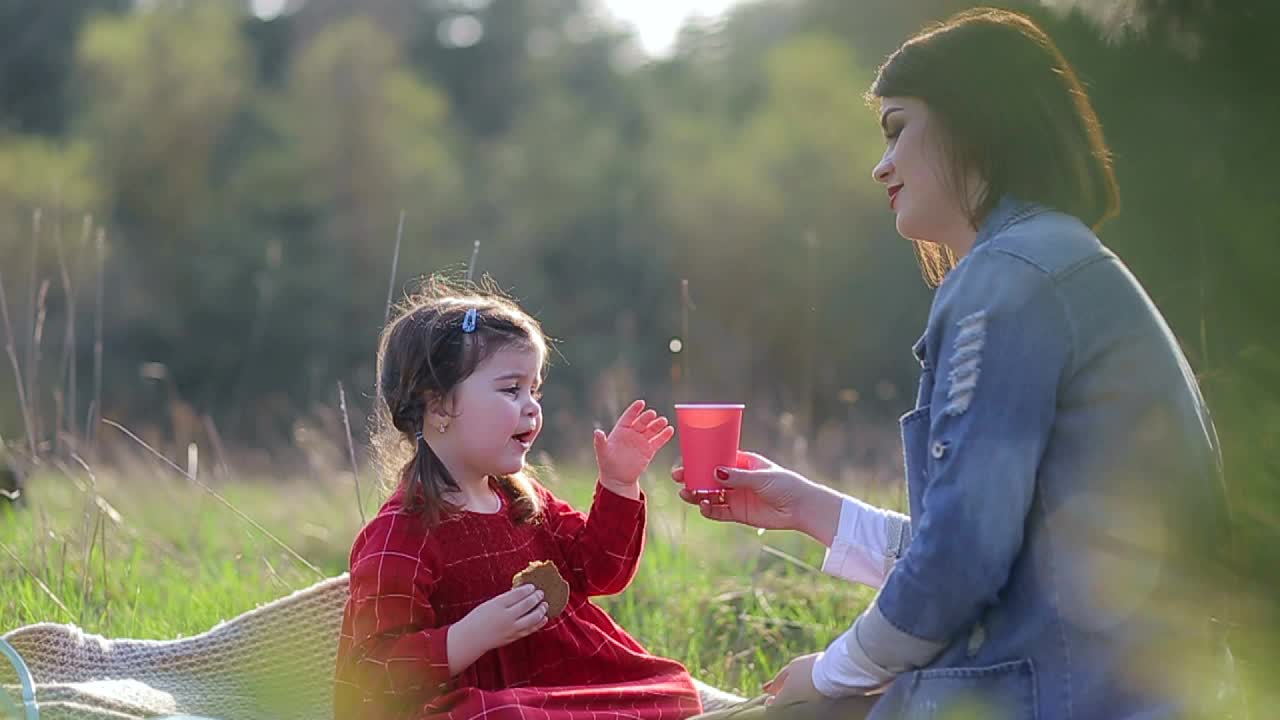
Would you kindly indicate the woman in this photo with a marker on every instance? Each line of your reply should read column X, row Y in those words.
column 1062, row 471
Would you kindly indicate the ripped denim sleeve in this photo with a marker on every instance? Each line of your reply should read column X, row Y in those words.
column 966, row 361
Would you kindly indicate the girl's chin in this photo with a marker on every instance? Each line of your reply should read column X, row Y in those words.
column 511, row 468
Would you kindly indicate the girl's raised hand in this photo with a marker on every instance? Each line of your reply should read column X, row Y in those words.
column 627, row 450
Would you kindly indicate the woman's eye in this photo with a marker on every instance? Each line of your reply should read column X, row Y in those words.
column 513, row 390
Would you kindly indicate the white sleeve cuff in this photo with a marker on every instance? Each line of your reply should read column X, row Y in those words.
column 848, row 668
column 839, row 674
column 868, row 541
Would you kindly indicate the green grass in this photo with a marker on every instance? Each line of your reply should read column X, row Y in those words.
column 155, row 556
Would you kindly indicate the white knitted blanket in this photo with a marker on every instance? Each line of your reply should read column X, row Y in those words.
column 272, row 663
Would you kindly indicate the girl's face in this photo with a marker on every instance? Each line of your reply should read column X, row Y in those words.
column 495, row 417
column 915, row 172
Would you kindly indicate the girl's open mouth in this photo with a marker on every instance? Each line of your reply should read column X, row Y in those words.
column 524, row 438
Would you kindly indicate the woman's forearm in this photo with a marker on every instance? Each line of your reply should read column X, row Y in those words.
column 869, row 541
column 818, row 513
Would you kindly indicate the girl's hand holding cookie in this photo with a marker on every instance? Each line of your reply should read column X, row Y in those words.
column 510, row 616
column 627, row 450
column 494, row 623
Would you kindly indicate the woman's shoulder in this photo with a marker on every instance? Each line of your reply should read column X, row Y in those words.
column 1048, row 242
column 1012, row 277
column 1025, row 253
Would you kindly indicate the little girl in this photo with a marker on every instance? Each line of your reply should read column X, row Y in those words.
column 433, row 628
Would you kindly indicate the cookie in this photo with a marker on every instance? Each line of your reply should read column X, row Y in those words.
column 544, row 576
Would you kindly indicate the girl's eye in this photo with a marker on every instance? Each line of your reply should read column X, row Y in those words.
column 892, row 135
column 514, row 391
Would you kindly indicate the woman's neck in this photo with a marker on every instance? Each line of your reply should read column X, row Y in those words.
column 959, row 240
column 962, row 233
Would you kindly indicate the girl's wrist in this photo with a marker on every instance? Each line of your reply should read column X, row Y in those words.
column 629, row 490
column 465, row 645
column 472, row 637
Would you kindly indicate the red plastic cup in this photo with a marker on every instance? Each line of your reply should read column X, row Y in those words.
column 709, row 436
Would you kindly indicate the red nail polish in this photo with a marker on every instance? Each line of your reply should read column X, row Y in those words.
column 722, row 473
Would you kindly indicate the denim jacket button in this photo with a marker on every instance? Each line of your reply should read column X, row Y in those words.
column 939, row 449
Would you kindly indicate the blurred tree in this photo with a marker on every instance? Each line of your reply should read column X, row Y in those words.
column 37, row 47
column 162, row 86
column 370, row 140
column 565, row 193
column 781, row 232
column 39, row 172
column 354, row 140
column 479, row 53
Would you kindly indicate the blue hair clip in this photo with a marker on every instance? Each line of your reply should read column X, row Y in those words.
column 469, row 321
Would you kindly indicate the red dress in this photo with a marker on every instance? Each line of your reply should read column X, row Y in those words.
column 408, row 585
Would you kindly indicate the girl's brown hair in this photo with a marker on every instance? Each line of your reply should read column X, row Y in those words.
column 1009, row 106
column 423, row 354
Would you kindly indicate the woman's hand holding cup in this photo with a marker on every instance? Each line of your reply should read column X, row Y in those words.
column 761, row 494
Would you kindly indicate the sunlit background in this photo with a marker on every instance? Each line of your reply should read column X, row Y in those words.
column 204, row 207
column 654, row 24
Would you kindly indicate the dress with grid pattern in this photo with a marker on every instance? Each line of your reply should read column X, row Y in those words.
column 410, row 584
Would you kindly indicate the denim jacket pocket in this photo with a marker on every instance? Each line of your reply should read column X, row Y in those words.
column 1006, row 691
column 915, row 455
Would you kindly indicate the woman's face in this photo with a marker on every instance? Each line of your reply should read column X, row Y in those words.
column 914, row 170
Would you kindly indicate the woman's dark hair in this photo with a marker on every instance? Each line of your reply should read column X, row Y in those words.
column 423, row 354
column 1009, row 106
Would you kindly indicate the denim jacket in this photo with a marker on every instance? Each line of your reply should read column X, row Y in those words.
column 1057, row 456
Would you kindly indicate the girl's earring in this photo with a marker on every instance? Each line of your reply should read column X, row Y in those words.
column 442, row 427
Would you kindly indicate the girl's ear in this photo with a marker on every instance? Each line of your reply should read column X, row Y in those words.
column 439, row 411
